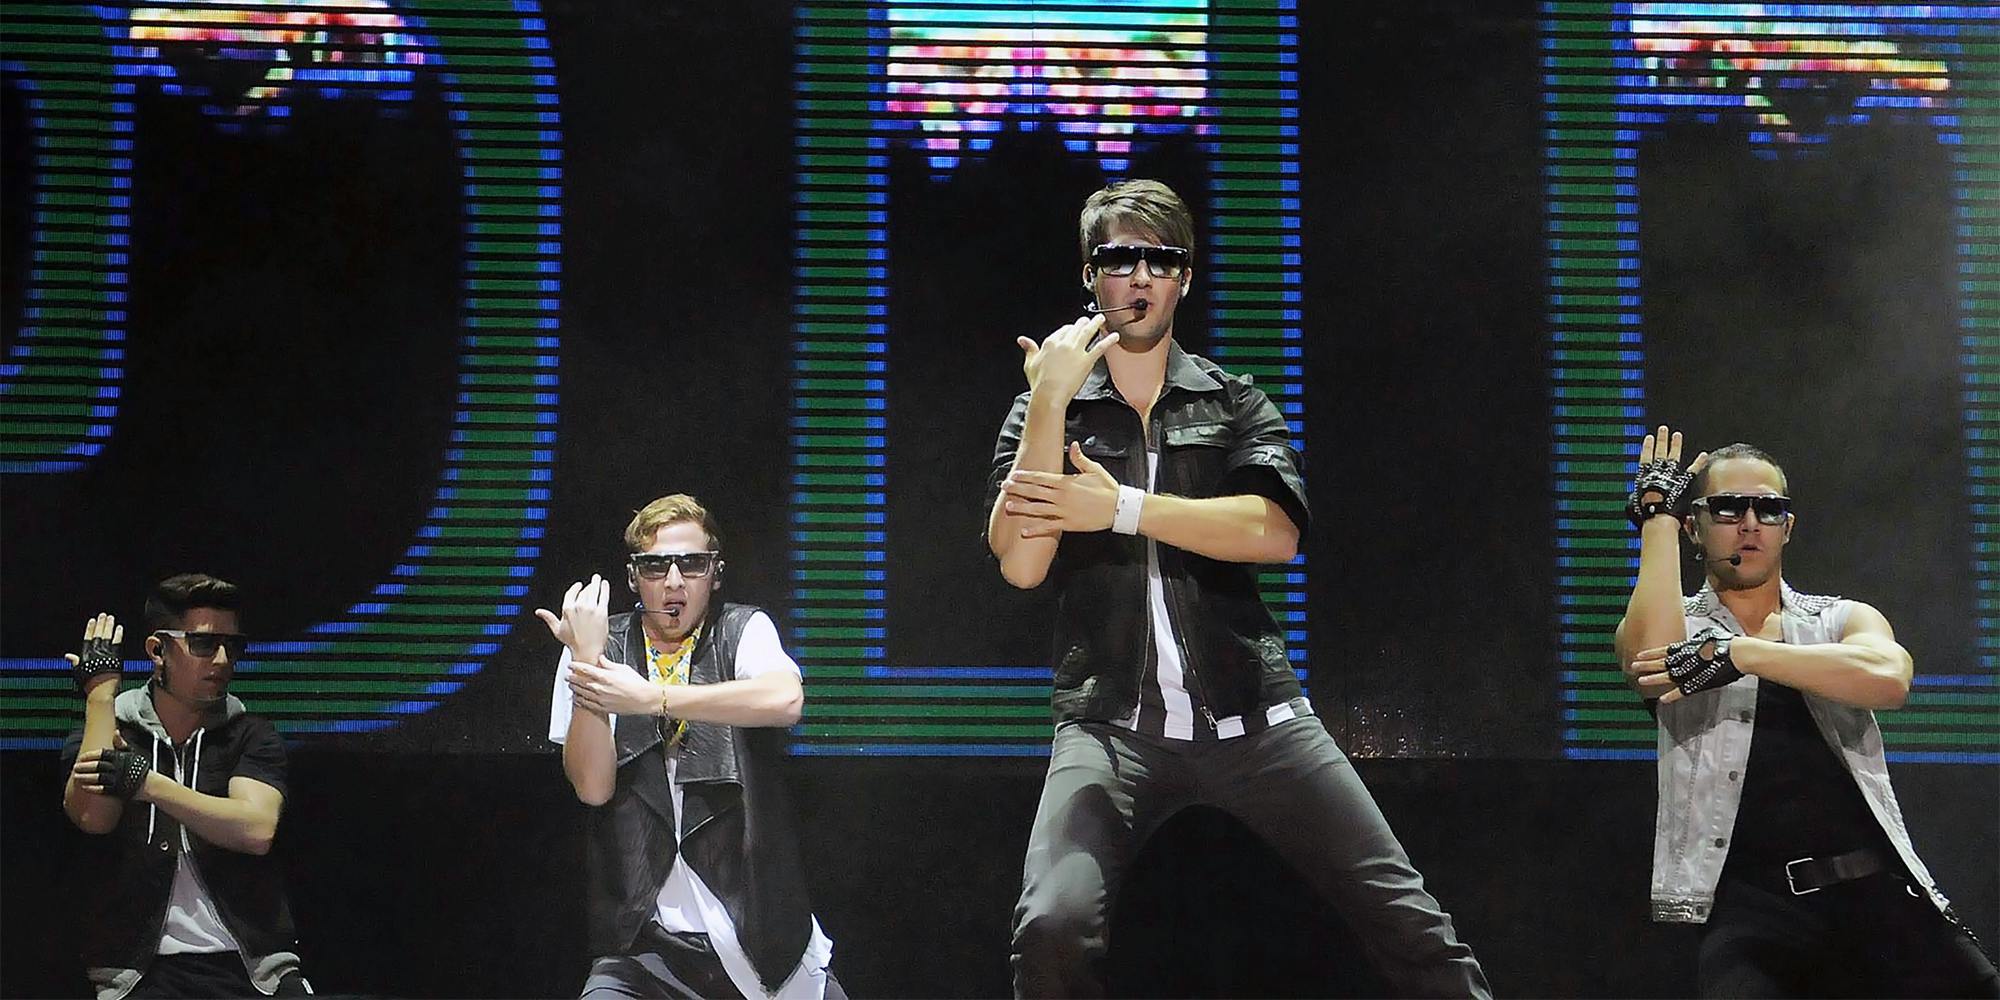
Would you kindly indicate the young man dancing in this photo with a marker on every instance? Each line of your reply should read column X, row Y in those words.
column 1777, row 829
column 1172, row 683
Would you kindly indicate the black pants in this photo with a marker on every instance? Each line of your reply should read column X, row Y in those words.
column 667, row 965
column 1871, row 937
column 217, row 975
column 1109, row 788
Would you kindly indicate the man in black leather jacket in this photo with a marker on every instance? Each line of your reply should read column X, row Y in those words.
column 1172, row 682
column 672, row 722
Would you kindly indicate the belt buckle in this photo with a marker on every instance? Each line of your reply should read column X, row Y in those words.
column 1792, row 884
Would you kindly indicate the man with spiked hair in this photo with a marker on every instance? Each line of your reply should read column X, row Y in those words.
column 1777, row 829
column 183, row 789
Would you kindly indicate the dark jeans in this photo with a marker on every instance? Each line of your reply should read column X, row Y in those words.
column 1871, row 937
column 1109, row 788
column 218, row 975
column 665, row 965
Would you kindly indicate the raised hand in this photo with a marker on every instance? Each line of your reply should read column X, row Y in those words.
column 582, row 626
column 97, row 662
column 1659, row 486
column 1086, row 501
column 1057, row 366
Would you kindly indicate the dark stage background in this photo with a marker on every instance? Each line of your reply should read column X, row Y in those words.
column 290, row 304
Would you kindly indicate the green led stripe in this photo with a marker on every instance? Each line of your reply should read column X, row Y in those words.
column 73, row 106
column 1978, row 190
column 458, row 586
column 1592, row 225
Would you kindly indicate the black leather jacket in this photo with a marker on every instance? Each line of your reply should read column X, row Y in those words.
column 1217, row 435
column 737, row 821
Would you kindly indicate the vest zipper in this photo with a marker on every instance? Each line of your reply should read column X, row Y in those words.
column 1172, row 598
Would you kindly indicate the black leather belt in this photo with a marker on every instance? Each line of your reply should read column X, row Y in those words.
column 1809, row 875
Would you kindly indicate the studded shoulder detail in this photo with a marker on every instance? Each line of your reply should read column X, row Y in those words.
column 1810, row 604
column 1701, row 605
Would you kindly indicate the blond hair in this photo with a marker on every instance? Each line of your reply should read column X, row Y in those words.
column 671, row 509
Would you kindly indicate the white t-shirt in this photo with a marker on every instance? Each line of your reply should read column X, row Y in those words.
column 1169, row 673
column 684, row 904
column 192, row 925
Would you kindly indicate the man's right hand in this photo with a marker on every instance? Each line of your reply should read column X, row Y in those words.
column 1058, row 365
column 1659, row 478
column 583, row 624
column 97, row 662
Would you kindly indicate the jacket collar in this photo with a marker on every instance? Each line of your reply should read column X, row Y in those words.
column 1184, row 371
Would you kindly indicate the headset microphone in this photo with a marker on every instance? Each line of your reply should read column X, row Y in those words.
column 1138, row 308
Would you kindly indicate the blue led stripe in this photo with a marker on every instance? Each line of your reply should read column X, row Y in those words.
column 458, row 588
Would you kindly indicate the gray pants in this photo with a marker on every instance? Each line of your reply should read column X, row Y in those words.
column 1109, row 788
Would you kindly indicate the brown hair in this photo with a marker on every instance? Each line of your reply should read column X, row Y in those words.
column 671, row 509
column 1146, row 205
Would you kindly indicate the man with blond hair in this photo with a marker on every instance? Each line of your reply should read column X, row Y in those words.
column 672, row 721
column 1173, row 686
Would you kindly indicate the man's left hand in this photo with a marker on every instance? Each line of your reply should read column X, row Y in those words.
column 1086, row 501
column 113, row 770
column 1685, row 668
column 611, row 688
column 1649, row 673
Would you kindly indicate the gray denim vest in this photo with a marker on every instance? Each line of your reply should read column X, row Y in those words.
column 1705, row 746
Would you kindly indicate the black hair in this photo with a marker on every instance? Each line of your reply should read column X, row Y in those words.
column 173, row 597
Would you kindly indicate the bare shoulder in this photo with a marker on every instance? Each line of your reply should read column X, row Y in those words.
column 1864, row 619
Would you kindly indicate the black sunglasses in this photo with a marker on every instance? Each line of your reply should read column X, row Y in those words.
column 1729, row 508
column 652, row 566
column 203, row 645
column 1119, row 260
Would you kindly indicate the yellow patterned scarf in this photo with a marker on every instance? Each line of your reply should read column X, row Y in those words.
column 670, row 666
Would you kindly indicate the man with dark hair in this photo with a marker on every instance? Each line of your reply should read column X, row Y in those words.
column 672, row 721
column 1172, row 683
column 181, row 899
column 1777, row 828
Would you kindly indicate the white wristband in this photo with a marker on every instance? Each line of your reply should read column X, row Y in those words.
column 1125, row 520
